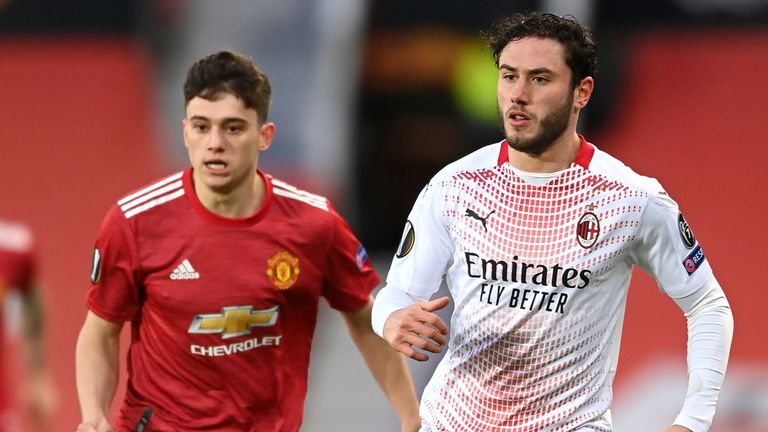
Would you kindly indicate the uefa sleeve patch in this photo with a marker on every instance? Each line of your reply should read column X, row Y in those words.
column 361, row 257
column 694, row 260
column 96, row 267
column 686, row 234
column 407, row 241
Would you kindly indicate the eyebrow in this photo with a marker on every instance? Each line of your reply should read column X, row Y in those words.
column 534, row 71
column 223, row 121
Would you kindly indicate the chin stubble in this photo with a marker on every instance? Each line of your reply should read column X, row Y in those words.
column 552, row 127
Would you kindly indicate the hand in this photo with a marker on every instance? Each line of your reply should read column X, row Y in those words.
column 677, row 428
column 95, row 426
column 417, row 325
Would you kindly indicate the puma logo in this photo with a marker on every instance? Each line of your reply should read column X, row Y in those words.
column 471, row 213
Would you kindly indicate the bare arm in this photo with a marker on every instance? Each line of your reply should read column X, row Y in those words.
column 97, row 362
column 387, row 366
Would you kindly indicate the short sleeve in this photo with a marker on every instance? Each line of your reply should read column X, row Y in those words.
column 425, row 249
column 350, row 277
column 114, row 292
column 18, row 256
column 667, row 249
column 27, row 270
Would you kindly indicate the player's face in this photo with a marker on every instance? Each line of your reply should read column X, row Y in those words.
column 535, row 97
column 224, row 139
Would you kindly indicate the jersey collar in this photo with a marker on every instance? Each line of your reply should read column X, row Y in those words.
column 583, row 159
column 200, row 209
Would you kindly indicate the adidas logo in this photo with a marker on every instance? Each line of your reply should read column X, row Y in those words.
column 184, row 271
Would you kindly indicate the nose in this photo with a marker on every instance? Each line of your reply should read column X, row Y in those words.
column 216, row 140
column 520, row 92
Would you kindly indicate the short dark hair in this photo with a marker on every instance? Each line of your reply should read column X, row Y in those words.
column 580, row 47
column 229, row 72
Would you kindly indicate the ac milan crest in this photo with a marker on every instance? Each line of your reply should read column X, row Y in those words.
column 588, row 230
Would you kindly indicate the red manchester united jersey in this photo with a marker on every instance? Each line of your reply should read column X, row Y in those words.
column 17, row 268
column 222, row 310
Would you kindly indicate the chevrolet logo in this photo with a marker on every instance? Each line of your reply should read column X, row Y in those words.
column 233, row 321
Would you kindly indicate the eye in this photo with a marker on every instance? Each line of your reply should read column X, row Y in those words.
column 234, row 129
column 200, row 127
column 540, row 80
column 509, row 77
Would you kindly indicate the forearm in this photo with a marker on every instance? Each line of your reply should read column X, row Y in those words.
column 710, row 329
column 391, row 373
column 97, row 362
column 387, row 366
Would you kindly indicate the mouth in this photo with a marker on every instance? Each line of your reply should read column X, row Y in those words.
column 518, row 118
column 215, row 165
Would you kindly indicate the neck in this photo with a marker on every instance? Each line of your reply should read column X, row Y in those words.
column 559, row 156
column 242, row 201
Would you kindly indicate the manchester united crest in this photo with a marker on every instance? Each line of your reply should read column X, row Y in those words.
column 588, row 230
column 283, row 269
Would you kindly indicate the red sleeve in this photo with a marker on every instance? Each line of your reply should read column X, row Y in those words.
column 114, row 293
column 27, row 270
column 18, row 257
column 349, row 276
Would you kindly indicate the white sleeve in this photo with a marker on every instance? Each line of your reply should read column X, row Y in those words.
column 388, row 300
column 667, row 249
column 710, row 330
column 421, row 260
column 426, row 248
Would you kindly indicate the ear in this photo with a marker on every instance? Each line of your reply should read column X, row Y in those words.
column 267, row 132
column 185, row 130
column 583, row 92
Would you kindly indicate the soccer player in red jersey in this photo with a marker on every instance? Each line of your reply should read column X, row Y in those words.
column 18, row 271
column 219, row 269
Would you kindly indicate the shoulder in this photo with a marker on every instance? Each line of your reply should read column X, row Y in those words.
column 484, row 158
column 311, row 212
column 475, row 166
column 615, row 170
column 151, row 195
column 288, row 193
column 303, row 205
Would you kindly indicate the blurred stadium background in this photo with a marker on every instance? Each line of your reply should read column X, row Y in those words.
column 371, row 98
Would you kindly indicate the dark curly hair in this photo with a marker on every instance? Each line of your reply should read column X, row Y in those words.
column 580, row 47
column 229, row 72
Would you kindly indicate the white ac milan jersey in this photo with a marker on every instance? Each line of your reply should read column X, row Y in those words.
column 539, row 276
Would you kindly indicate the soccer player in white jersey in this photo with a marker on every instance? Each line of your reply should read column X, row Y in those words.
column 536, row 237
